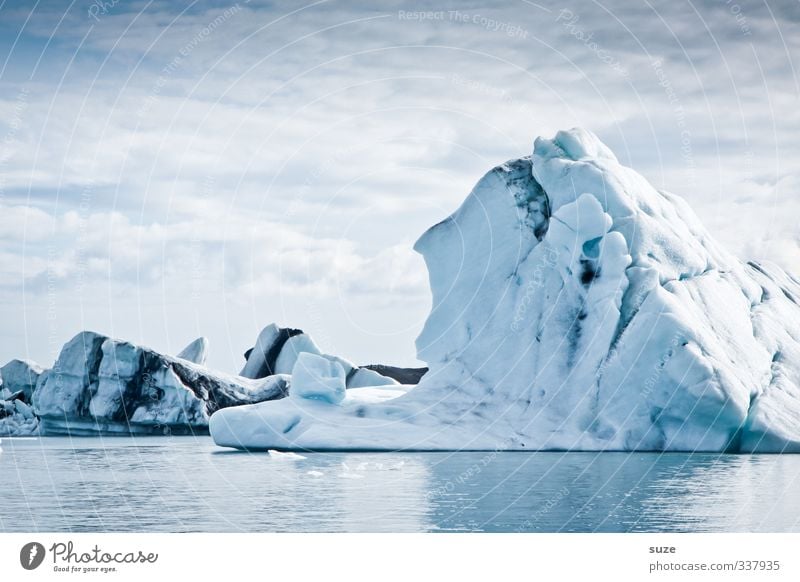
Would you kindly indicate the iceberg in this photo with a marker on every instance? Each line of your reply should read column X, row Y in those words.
column 99, row 385
column 277, row 351
column 400, row 375
column 261, row 359
column 17, row 418
column 16, row 415
column 21, row 376
column 18, row 380
column 575, row 307
column 196, row 352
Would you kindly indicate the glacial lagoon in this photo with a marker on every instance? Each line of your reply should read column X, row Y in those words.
column 187, row 484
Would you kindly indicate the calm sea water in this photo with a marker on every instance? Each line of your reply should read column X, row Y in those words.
column 179, row 484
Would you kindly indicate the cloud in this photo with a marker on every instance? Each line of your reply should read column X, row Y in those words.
column 244, row 254
column 252, row 151
column 759, row 222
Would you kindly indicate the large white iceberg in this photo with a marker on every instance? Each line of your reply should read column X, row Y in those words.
column 575, row 307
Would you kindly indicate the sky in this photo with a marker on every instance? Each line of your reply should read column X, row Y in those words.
column 171, row 170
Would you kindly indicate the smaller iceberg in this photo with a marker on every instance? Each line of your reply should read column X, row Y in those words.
column 18, row 380
column 101, row 385
column 16, row 415
column 318, row 378
column 21, row 376
column 277, row 351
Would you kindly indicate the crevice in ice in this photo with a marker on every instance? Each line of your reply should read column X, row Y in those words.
column 668, row 282
column 789, row 295
column 557, row 219
column 735, row 444
column 529, row 196
column 291, row 425
column 757, row 267
column 574, row 335
column 271, row 357
column 591, row 248
column 136, row 389
column 628, row 309
column 533, row 202
column 589, row 272
column 94, row 354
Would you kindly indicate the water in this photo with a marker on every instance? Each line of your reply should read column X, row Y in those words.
column 179, row 484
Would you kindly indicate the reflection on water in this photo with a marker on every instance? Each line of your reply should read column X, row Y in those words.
column 187, row 484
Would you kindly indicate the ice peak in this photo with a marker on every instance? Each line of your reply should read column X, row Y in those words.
column 575, row 144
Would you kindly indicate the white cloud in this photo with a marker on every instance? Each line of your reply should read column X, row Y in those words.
column 283, row 158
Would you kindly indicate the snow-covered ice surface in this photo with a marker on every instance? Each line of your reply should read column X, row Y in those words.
column 575, row 307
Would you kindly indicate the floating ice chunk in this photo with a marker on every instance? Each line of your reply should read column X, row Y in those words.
column 284, row 456
column 17, row 419
column 262, row 359
column 315, row 377
column 276, row 352
column 348, row 473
